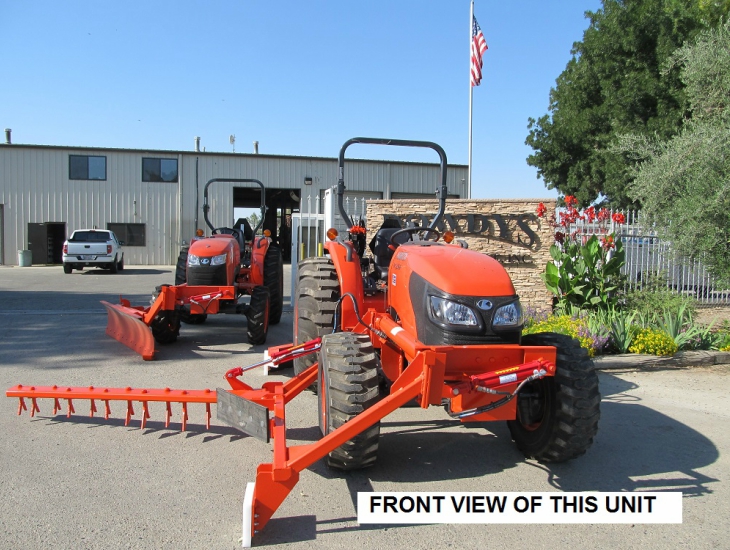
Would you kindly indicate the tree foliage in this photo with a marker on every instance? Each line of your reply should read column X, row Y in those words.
column 683, row 183
column 614, row 85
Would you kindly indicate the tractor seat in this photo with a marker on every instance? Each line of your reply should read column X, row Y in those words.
column 382, row 253
column 243, row 225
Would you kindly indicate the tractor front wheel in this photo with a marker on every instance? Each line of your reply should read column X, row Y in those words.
column 349, row 384
column 557, row 417
column 317, row 294
column 258, row 316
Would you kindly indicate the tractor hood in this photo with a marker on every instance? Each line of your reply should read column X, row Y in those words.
column 212, row 246
column 455, row 270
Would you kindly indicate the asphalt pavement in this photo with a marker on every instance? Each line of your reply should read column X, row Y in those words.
column 85, row 482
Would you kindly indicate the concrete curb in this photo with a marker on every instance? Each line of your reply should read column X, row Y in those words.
column 679, row 359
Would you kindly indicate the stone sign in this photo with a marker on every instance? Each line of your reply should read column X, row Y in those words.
column 506, row 229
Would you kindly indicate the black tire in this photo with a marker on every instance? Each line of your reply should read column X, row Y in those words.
column 113, row 265
column 180, row 279
column 181, row 268
column 274, row 281
column 258, row 316
column 165, row 327
column 67, row 269
column 349, row 382
column 557, row 417
column 120, row 264
column 317, row 293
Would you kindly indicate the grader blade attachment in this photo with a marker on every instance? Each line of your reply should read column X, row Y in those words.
column 127, row 325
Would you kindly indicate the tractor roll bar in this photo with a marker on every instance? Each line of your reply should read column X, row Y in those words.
column 206, row 207
column 440, row 193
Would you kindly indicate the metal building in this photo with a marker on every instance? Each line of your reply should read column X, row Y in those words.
column 153, row 199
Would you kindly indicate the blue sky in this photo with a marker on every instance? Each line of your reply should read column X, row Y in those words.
column 299, row 77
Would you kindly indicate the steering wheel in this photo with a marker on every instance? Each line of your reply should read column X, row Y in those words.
column 411, row 231
column 227, row 231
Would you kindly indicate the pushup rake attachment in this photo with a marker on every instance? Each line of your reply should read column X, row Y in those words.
column 261, row 413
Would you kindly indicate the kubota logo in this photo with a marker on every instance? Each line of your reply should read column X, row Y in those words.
column 485, row 305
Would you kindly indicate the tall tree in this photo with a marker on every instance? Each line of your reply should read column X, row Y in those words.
column 684, row 182
column 614, row 85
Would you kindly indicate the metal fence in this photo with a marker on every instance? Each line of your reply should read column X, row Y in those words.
column 651, row 260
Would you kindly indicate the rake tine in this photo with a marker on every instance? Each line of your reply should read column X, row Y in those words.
column 71, row 409
column 207, row 416
column 107, row 409
column 34, row 407
column 168, row 415
column 21, row 406
column 130, row 413
column 145, row 414
column 56, row 406
column 93, row 408
column 184, row 415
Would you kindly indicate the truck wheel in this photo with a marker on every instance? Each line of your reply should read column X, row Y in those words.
column 67, row 268
column 113, row 265
column 165, row 327
column 557, row 417
column 258, row 316
column 317, row 293
column 349, row 382
column 274, row 281
column 120, row 264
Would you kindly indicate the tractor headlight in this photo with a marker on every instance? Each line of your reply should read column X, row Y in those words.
column 508, row 316
column 451, row 313
column 193, row 259
column 218, row 260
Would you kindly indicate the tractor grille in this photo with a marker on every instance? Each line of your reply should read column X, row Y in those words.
column 206, row 275
column 433, row 335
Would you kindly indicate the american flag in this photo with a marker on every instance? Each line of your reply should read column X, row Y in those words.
column 478, row 47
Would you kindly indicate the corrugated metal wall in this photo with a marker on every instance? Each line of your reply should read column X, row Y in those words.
column 35, row 188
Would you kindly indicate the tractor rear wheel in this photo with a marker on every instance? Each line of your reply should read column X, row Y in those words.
column 274, row 281
column 165, row 327
column 557, row 417
column 317, row 294
column 258, row 316
column 349, row 384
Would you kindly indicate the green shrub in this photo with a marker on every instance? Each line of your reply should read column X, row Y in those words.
column 654, row 297
column 654, row 342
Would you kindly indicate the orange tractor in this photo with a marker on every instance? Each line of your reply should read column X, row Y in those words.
column 379, row 332
column 212, row 276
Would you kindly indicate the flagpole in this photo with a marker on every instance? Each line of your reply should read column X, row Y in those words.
column 471, row 96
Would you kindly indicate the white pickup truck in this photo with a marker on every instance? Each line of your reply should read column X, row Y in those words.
column 93, row 248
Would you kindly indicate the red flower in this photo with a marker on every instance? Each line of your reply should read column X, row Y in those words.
column 559, row 237
column 619, row 218
column 590, row 214
column 541, row 209
column 570, row 200
column 607, row 242
column 603, row 215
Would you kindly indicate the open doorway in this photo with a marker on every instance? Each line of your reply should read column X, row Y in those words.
column 45, row 242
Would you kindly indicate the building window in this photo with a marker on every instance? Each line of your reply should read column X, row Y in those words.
column 159, row 170
column 131, row 234
column 82, row 167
